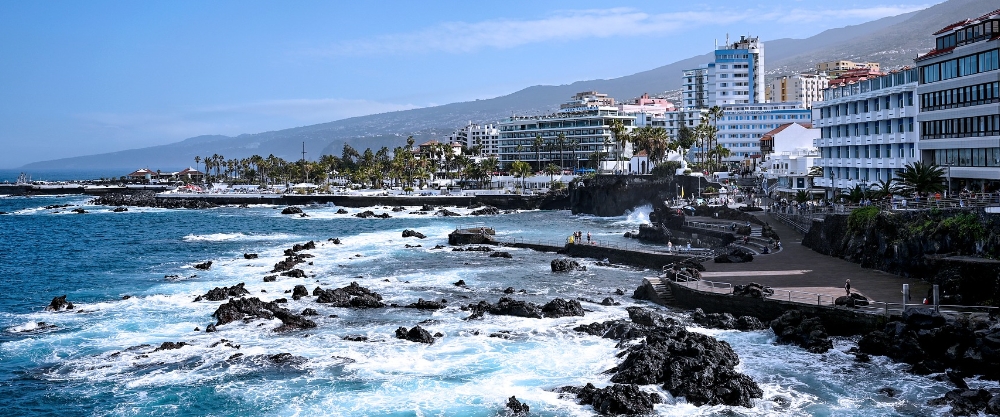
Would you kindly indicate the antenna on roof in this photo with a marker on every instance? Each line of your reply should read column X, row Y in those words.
column 727, row 39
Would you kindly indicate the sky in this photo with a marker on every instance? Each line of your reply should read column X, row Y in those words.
column 89, row 77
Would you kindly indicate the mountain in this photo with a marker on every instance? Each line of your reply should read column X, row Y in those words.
column 891, row 41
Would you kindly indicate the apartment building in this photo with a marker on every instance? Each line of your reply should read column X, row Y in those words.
column 868, row 130
column 585, row 123
column 694, row 88
column 804, row 88
column 838, row 68
column 472, row 135
column 736, row 75
column 959, row 97
column 742, row 126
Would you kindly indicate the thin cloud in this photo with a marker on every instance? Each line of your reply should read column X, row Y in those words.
column 464, row 37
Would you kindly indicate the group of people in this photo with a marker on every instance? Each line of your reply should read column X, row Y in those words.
column 577, row 238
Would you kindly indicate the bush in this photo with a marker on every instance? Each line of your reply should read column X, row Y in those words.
column 666, row 169
column 861, row 218
column 710, row 190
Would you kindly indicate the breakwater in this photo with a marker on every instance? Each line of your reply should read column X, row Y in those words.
column 500, row 201
column 837, row 320
column 638, row 258
column 612, row 195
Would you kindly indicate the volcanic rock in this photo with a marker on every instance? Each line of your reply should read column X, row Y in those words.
column 616, row 399
column 446, row 213
column 341, row 211
column 223, row 293
column 413, row 233
column 422, row 304
column 249, row 256
column 501, row 255
column 204, row 265
column 291, row 210
column 486, row 211
column 59, row 303
column 807, row 332
column 254, row 308
column 295, row 273
column 562, row 308
column 299, row 291
column 726, row 321
column 120, row 209
column 416, row 334
column 516, row 407
column 352, row 295
column 565, row 265
column 170, row 346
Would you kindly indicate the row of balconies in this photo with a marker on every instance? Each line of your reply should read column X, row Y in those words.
column 884, row 138
column 908, row 111
column 891, row 163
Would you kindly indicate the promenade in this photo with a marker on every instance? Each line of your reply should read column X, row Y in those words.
column 798, row 268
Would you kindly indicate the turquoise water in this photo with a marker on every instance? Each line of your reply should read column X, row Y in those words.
column 95, row 362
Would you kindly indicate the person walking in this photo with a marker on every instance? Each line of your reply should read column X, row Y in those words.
column 847, row 286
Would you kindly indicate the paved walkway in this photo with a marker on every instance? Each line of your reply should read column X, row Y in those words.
column 798, row 268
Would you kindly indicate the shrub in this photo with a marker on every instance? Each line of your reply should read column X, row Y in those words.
column 666, row 169
column 710, row 190
column 861, row 218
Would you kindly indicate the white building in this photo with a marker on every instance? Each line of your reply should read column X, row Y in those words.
column 584, row 123
column 736, row 75
column 742, row 126
column 804, row 88
column 788, row 171
column 486, row 136
column 868, row 131
column 959, row 95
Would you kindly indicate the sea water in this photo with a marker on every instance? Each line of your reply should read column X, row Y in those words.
column 131, row 278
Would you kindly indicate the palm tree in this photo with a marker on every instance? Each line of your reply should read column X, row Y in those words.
column 686, row 138
column 921, row 178
column 621, row 137
column 801, row 196
column 884, row 189
column 197, row 161
column 488, row 167
column 561, row 139
column 552, row 170
column 522, row 170
column 537, row 146
column 720, row 152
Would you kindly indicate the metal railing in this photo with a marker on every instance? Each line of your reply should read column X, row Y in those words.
column 805, row 297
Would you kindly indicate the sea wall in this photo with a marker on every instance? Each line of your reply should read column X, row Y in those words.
column 613, row 195
column 956, row 249
column 553, row 201
column 650, row 260
column 839, row 321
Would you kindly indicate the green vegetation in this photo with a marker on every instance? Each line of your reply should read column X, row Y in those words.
column 710, row 190
column 862, row 218
column 921, row 179
column 666, row 169
column 964, row 224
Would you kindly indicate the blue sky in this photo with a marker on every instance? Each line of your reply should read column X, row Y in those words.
column 81, row 78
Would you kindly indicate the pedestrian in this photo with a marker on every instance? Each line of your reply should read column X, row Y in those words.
column 588, row 237
column 847, row 286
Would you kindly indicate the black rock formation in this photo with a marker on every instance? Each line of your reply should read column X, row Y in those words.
column 352, row 295
column 486, row 211
column 446, row 213
column 416, row 334
column 566, row 265
column 254, row 308
column 204, row 265
column 516, row 407
column 249, row 256
column 224, row 293
column 627, row 399
column 291, row 210
column 793, row 327
column 423, row 304
column 59, row 303
column 726, row 321
column 501, row 255
column 413, row 233
column 299, row 291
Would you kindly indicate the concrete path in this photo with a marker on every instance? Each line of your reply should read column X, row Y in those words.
column 798, row 268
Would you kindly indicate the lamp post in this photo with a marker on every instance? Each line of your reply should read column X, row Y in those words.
column 947, row 192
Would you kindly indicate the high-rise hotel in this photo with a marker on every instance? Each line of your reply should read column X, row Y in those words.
column 959, row 97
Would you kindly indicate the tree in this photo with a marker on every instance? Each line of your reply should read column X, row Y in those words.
column 921, row 178
column 561, row 140
column 197, row 160
column 537, row 146
column 720, row 152
column 521, row 169
column 488, row 167
column 552, row 170
column 884, row 189
column 686, row 139
column 621, row 136
column 801, row 196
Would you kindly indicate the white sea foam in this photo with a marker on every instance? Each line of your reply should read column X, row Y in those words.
column 241, row 237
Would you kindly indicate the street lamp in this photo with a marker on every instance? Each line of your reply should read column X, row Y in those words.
column 947, row 192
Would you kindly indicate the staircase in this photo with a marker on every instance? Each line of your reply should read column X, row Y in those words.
column 756, row 231
column 663, row 291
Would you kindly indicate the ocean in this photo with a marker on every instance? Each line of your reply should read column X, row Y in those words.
column 99, row 359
